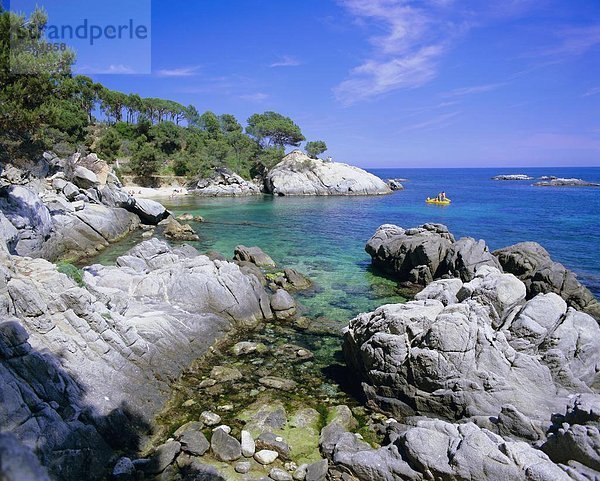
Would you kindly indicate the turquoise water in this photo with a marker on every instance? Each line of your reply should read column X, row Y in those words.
column 324, row 237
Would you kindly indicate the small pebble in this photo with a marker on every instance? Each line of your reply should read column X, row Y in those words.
column 210, row 418
column 242, row 467
column 280, row 475
column 266, row 456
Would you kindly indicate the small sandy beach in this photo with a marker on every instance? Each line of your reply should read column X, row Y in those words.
column 159, row 192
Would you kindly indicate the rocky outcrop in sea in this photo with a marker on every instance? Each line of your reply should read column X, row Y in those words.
column 512, row 177
column 298, row 174
column 561, row 182
column 395, row 184
column 429, row 252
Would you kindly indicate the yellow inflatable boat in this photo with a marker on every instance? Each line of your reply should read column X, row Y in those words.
column 438, row 202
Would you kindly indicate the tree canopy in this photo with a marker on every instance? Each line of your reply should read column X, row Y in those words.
column 315, row 148
column 271, row 128
column 46, row 107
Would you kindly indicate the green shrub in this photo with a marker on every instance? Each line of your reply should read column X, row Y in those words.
column 71, row 271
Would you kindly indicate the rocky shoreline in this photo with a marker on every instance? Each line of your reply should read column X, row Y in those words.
column 296, row 174
column 177, row 365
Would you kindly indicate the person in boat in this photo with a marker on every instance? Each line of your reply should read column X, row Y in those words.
column 444, row 196
column 439, row 197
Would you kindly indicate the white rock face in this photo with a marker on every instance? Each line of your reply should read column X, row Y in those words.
column 298, row 174
column 112, row 343
column 473, row 357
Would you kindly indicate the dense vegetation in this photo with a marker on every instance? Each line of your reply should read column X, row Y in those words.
column 50, row 108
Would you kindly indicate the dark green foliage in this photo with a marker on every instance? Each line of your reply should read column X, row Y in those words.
column 29, row 102
column 128, row 131
column 209, row 122
column 50, row 108
column 229, row 124
column 146, row 161
column 109, row 144
column 272, row 128
column 316, row 148
column 271, row 156
column 166, row 137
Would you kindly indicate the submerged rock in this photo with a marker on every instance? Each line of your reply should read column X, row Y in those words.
column 181, row 232
column 254, row 255
column 278, row 383
column 298, row 174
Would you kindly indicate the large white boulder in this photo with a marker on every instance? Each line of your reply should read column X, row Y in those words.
column 298, row 174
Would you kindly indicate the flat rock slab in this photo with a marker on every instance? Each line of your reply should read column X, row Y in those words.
column 225, row 447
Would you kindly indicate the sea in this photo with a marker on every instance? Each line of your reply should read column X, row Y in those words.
column 324, row 237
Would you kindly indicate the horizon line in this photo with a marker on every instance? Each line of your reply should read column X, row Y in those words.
column 495, row 167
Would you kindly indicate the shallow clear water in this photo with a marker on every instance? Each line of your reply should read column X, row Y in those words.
column 324, row 237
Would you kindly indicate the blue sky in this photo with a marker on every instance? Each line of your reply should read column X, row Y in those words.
column 390, row 83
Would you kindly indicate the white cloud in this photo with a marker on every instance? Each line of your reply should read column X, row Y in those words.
column 375, row 77
column 576, row 41
column 476, row 89
column 178, row 72
column 442, row 120
column 590, row 92
column 257, row 97
column 415, row 37
column 405, row 55
column 286, row 61
column 109, row 70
